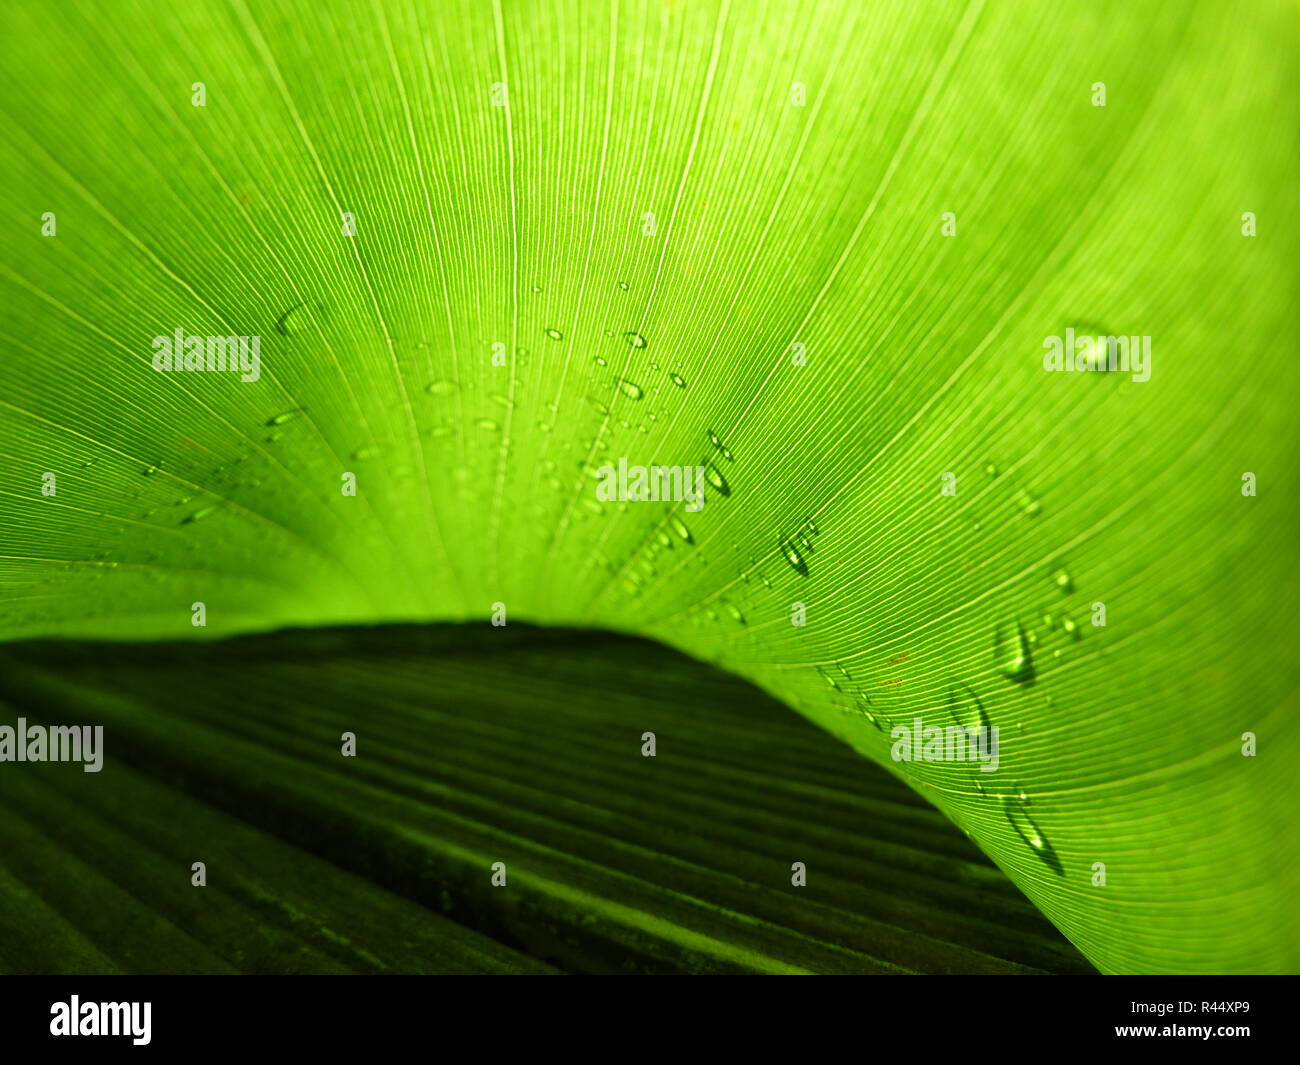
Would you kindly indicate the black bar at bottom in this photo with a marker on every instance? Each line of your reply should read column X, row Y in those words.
column 338, row 1015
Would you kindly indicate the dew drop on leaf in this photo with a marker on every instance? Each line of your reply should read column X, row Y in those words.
column 303, row 318
column 791, row 554
column 966, row 707
column 714, row 476
column 555, row 334
column 1029, row 506
column 1011, row 653
column 1030, row 833
column 629, row 388
column 716, row 441
column 864, row 707
column 635, row 340
column 677, row 379
column 825, row 675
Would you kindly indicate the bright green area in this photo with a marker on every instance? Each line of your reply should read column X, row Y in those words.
column 774, row 225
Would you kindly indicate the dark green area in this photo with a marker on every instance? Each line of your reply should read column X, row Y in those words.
column 475, row 745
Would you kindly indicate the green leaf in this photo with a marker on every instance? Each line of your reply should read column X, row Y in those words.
column 474, row 746
column 505, row 317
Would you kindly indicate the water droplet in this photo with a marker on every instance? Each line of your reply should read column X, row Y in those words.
column 966, row 708
column 864, row 707
column 1029, row 506
column 990, row 469
column 199, row 515
column 555, row 334
column 1029, row 832
column 624, row 285
column 599, row 407
column 664, row 539
column 629, row 388
column 714, row 476
column 487, row 425
column 1094, row 352
column 735, row 613
column 362, row 454
column 441, row 388
column 600, row 361
column 1011, row 653
column 287, row 416
column 716, row 441
column 825, row 675
column 1070, row 628
column 303, row 318
column 677, row 379
column 537, row 288
column 679, row 527
column 792, row 556
column 635, row 340
column 149, row 471
column 1062, row 579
